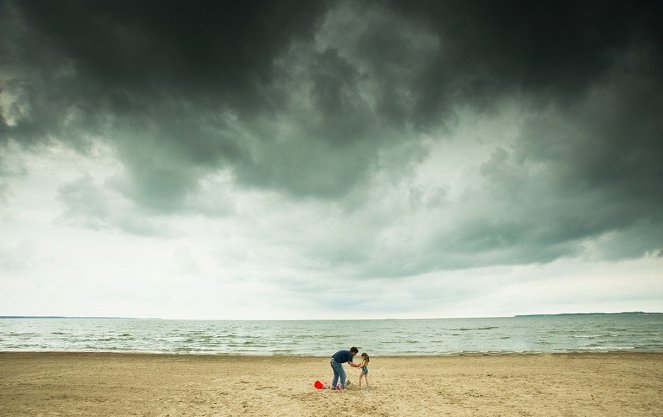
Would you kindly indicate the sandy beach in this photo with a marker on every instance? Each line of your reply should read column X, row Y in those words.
column 97, row 384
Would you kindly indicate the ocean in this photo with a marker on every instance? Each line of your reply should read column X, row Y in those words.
column 632, row 332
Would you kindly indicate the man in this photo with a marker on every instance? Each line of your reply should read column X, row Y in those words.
column 337, row 361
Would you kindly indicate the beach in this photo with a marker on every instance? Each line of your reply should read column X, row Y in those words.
column 96, row 384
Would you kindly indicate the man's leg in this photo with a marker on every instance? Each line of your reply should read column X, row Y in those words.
column 335, row 365
column 341, row 372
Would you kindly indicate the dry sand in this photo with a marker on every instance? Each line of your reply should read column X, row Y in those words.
column 94, row 384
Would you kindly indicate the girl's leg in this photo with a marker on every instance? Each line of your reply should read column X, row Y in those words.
column 366, row 376
column 361, row 375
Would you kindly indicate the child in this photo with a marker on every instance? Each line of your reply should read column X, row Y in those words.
column 364, row 369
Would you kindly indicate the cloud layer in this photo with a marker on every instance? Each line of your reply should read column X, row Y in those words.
column 373, row 140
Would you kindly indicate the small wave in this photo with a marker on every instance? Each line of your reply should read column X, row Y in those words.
column 606, row 348
column 470, row 329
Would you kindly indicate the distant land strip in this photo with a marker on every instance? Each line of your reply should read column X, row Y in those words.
column 625, row 313
column 68, row 317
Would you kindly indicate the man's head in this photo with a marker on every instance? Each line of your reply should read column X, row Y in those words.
column 354, row 351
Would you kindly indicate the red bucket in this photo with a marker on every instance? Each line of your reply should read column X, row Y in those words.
column 318, row 385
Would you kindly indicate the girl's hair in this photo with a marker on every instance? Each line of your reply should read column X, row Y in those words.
column 365, row 356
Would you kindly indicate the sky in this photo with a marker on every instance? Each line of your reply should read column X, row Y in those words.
column 330, row 159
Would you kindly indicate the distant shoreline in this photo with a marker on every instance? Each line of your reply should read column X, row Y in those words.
column 624, row 313
column 73, row 317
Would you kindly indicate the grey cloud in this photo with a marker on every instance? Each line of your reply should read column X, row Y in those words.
column 108, row 205
column 163, row 72
column 556, row 50
column 178, row 68
column 337, row 108
column 581, row 181
column 95, row 206
column 11, row 168
column 18, row 257
column 605, row 155
column 314, row 100
column 85, row 203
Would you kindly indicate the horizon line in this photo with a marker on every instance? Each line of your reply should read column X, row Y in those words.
column 3, row 317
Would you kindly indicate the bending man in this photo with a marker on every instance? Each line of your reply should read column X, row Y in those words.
column 337, row 361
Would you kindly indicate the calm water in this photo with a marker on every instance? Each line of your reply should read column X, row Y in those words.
column 569, row 333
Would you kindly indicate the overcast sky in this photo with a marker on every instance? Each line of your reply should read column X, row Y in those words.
column 332, row 159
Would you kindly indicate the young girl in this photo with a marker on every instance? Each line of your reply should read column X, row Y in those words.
column 364, row 369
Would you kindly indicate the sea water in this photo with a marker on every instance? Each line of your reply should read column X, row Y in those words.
column 521, row 334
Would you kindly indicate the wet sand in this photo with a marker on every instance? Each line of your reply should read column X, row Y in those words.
column 101, row 384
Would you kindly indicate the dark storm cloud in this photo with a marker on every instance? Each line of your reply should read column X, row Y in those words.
column 307, row 97
column 196, row 49
column 554, row 49
column 153, row 76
